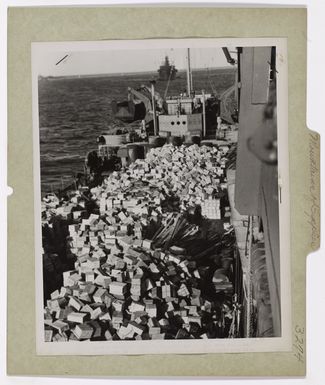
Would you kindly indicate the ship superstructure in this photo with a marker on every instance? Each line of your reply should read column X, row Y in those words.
column 167, row 71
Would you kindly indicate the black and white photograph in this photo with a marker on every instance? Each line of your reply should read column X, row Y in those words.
column 161, row 196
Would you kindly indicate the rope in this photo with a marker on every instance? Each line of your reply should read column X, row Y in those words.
column 167, row 86
column 214, row 91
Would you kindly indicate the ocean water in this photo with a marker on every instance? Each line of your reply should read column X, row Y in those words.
column 74, row 111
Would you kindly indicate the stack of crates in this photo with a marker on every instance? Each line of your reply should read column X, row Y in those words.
column 211, row 208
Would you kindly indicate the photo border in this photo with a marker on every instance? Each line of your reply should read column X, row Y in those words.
column 266, row 344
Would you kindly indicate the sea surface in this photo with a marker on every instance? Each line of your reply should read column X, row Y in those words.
column 74, row 111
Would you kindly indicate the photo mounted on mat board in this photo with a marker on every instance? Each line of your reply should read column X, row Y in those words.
column 161, row 196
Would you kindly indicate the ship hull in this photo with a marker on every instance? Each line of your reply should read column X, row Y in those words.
column 166, row 74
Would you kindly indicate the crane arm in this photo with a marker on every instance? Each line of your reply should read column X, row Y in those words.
column 144, row 99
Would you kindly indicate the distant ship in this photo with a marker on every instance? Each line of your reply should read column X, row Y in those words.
column 167, row 71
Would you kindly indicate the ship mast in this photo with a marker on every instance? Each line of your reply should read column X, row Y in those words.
column 189, row 73
column 155, row 129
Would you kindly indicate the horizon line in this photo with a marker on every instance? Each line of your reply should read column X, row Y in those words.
column 132, row 73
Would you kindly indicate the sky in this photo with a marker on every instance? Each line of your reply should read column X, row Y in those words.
column 124, row 61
